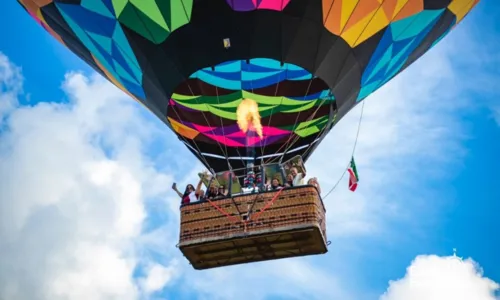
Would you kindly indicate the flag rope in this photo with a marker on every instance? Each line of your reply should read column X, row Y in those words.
column 352, row 154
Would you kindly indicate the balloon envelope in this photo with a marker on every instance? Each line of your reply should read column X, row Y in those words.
column 305, row 62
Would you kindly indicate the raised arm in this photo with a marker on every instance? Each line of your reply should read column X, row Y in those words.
column 198, row 187
column 174, row 187
column 200, row 183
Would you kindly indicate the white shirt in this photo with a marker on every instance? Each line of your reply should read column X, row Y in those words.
column 192, row 197
column 298, row 179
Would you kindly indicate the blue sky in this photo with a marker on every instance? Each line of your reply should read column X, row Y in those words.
column 104, row 224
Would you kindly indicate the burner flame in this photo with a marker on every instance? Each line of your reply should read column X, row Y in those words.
column 248, row 117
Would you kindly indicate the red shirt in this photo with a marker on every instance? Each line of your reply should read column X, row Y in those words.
column 186, row 200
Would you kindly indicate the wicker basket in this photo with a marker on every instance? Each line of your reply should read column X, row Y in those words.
column 242, row 229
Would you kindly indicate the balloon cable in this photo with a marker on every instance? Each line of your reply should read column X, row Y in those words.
column 352, row 153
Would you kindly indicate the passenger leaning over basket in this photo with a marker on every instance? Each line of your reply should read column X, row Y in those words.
column 221, row 192
column 212, row 192
column 298, row 178
column 189, row 194
column 314, row 182
column 201, row 195
column 289, row 180
column 275, row 184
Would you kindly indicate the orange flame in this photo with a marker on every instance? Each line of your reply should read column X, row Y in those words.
column 248, row 116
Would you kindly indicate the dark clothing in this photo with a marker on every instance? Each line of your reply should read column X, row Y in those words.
column 276, row 187
column 211, row 195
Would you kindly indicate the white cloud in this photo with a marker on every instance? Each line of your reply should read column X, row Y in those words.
column 90, row 270
column 412, row 134
column 432, row 277
column 73, row 193
column 158, row 277
column 414, row 119
column 83, row 180
column 11, row 82
column 286, row 279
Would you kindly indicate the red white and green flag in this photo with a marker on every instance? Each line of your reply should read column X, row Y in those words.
column 353, row 176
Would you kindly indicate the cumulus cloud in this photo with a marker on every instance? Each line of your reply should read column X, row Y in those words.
column 284, row 279
column 432, row 277
column 413, row 120
column 11, row 81
column 74, row 190
column 158, row 276
column 86, row 211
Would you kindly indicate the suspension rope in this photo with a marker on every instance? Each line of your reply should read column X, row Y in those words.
column 187, row 143
column 249, row 212
column 268, row 204
column 311, row 117
column 363, row 104
column 352, row 153
column 282, row 61
column 317, row 50
column 322, row 134
column 208, row 124
column 244, row 163
column 235, row 205
column 263, row 145
column 223, row 131
column 222, row 211
column 295, row 139
column 270, row 160
column 132, row 59
column 249, row 63
column 186, row 79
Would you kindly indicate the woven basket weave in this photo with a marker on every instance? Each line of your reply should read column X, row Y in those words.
column 294, row 206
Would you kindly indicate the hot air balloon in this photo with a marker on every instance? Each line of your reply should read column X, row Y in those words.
column 248, row 85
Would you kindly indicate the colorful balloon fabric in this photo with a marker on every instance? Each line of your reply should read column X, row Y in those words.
column 305, row 62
